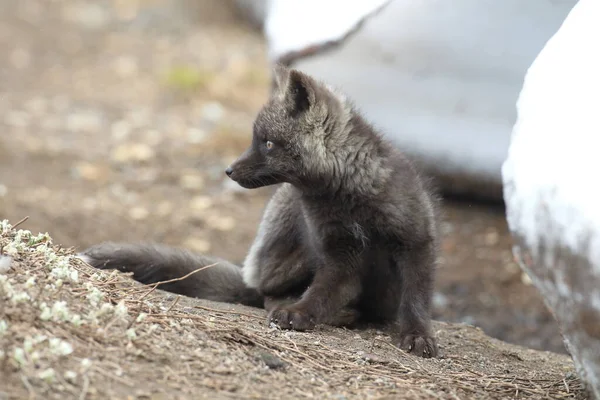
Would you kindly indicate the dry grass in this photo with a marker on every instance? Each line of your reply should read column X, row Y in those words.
column 70, row 331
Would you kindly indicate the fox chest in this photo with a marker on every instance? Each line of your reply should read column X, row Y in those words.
column 324, row 234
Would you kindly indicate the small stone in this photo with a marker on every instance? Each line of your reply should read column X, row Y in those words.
column 198, row 245
column 88, row 171
column 86, row 14
column 37, row 105
column 492, row 238
column 60, row 103
column 526, row 279
column 373, row 358
column 221, row 223
column 139, row 118
column 201, row 203
column 20, row 58
column 191, row 181
column 125, row 66
column 86, row 121
column 138, row 213
column 51, row 123
column 17, row 119
column 120, row 130
column 126, row 10
column 213, row 111
column 132, row 152
column 89, row 204
column 196, row 136
column 164, row 208
column 153, row 137
column 271, row 360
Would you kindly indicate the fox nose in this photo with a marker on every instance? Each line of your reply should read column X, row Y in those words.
column 229, row 171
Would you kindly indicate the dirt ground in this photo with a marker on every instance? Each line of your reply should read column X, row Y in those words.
column 118, row 119
column 69, row 331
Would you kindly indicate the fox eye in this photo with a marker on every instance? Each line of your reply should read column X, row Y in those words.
column 269, row 145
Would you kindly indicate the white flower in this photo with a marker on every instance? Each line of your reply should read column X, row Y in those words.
column 86, row 363
column 47, row 375
column 70, row 376
column 105, row 308
column 95, row 296
column 60, row 347
column 30, row 282
column 60, row 311
column 131, row 334
column 3, row 327
column 121, row 309
column 20, row 297
column 76, row 320
column 19, row 356
column 5, row 226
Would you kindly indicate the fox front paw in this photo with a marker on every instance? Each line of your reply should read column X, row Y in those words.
column 420, row 345
column 291, row 318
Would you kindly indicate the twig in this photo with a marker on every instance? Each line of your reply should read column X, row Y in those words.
column 173, row 304
column 20, row 222
column 155, row 285
column 32, row 393
column 86, row 385
column 229, row 312
column 116, row 378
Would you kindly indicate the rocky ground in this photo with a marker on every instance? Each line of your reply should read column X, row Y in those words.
column 119, row 117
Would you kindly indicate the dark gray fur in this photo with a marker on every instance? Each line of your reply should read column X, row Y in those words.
column 350, row 235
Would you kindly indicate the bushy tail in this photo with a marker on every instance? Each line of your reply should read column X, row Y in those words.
column 151, row 263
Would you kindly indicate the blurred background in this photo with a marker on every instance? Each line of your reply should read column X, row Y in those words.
column 118, row 118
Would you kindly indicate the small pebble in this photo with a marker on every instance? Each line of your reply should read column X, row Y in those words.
column 88, row 171
column 85, row 121
column 120, row 130
column 492, row 238
column 201, row 203
column 191, row 181
column 20, row 58
column 213, row 112
column 37, row 105
column 196, row 136
column 526, row 279
column 138, row 213
column 164, row 208
column 221, row 223
column 125, row 66
column 17, row 119
column 271, row 360
column 132, row 152
column 87, row 15
column 198, row 245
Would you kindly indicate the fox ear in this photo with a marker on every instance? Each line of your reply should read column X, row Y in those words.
column 280, row 77
column 296, row 88
column 300, row 91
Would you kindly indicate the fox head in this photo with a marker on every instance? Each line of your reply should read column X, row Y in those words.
column 294, row 135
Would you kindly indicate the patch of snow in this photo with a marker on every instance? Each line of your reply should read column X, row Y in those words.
column 553, row 159
column 292, row 26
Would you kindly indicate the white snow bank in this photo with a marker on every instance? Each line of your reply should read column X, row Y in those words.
column 551, row 183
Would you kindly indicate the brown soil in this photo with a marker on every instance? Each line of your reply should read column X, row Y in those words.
column 118, row 119
column 113, row 338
